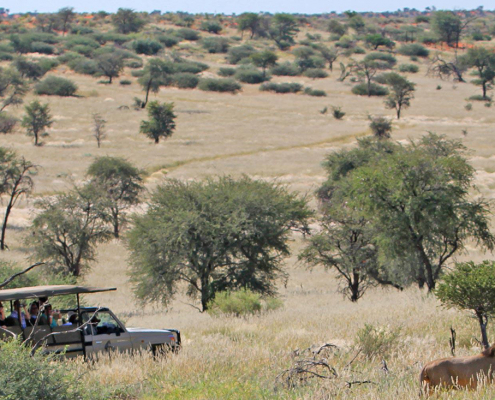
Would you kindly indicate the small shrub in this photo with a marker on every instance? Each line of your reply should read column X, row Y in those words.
column 73, row 41
column 468, row 107
column 439, row 87
column 414, row 58
column 185, row 80
column 377, row 342
column 219, row 85
column 285, row 69
column 477, row 97
column 242, row 303
column 428, row 38
column 188, row 34
column 414, row 49
column 387, row 60
column 215, row 44
column 249, row 75
column 6, row 56
column 359, row 50
column 281, row 87
column 211, row 27
column 67, row 57
column 83, row 50
column 125, row 82
column 315, row 73
column 411, row 68
column 134, row 64
column 381, row 127
column 56, row 86
column 146, row 46
column 47, row 64
column 226, row 72
column 7, row 125
column 84, row 66
column 192, row 67
column 361, row 89
column 315, row 92
column 238, row 53
column 168, row 40
column 337, row 112
column 43, row 48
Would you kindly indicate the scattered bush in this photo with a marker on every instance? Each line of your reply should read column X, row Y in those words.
column 281, row 87
column 361, row 89
column 439, row 87
column 219, row 85
column 358, row 50
column 43, row 48
column 315, row 73
column 241, row 303
column 192, row 67
column 85, row 66
column 411, row 68
column 67, row 57
column 238, row 53
column 211, row 27
column 146, row 46
column 73, row 41
column 188, row 34
column 56, row 86
column 249, row 75
column 387, row 60
column 185, row 80
column 47, row 64
column 414, row 49
column 134, row 64
column 428, row 38
column 125, row 82
column 468, row 107
column 7, row 125
column 337, row 112
column 285, row 69
column 315, row 92
column 381, row 127
column 168, row 40
column 215, row 44
column 377, row 342
column 477, row 97
column 226, row 72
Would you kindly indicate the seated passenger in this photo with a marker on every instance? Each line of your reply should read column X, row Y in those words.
column 2, row 316
column 34, row 310
column 48, row 312
column 72, row 318
column 14, row 315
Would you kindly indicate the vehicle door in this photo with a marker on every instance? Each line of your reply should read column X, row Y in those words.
column 106, row 334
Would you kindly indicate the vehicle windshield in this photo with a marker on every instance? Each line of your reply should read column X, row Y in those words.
column 103, row 323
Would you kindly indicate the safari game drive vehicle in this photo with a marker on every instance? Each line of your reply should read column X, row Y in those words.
column 96, row 330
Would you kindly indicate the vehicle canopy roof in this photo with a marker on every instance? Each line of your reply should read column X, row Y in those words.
column 35, row 292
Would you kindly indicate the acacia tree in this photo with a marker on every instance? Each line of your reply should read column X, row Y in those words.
column 264, row 60
column 161, row 123
column 471, row 287
column 483, row 60
column 366, row 69
column 36, row 120
column 121, row 185
column 417, row 198
column 448, row 68
column 12, row 90
column 249, row 21
column 153, row 76
column 449, row 27
column 220, row 234
column 65, row 16
column 99, row 128
column 67, row 229
column 401, row 92
column 329, row 54
column 283, row 29
column 109, row 65
column 126, row 21
column 15, row 183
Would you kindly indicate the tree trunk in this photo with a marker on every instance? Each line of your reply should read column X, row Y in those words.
column 116, row 226
column 483, row 85
column 4, row 226
column 35, row 138
column 398, row 112
column 355, row 287
column 148, row 88
column 483, row 322
column 109, row 79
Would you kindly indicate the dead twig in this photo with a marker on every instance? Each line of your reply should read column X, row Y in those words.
column 349, row 384
column 8, row 280
column 354, row 358
column 305, row 369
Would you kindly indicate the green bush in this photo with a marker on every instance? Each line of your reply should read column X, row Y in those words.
column 188, row 34
column 315, row 73
column 211, row 27
column 84, row 66
column 47, row 64
column 43, row 48
column 7, row 123
column 56, row 86
column 168, row 40
column 411, row 68
column 414, row 49
column 285, row 69
column 226, row 72
column 337, row 112
column 215, row 44
column 377, row 342
column 241, row 303
column 185, row 80
column 39, row 377
column 361, row 89
column 428, row 38
column 146, row 46
column 6, row 56
column 67, row 57
column 281, row 87
column 192, row 67
column 134, row 64
column 386, row 59
column 219, row 85
column 73, row 41
column 125, row 82
column 359, row 50
column 315, row 92
column 477, row 97
column 238, row 53
column 249, row 75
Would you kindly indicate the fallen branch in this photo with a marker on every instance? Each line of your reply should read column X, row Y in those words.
column 349, row 384
column 9, row 332
column 8, row 280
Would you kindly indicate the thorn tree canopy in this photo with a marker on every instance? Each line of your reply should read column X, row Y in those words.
column 216, row 235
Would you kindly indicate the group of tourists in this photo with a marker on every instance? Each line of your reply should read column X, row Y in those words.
column 23, row 318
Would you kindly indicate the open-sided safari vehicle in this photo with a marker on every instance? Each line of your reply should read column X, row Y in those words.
column 94, row 330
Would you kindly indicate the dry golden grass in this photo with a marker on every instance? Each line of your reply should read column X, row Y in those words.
column 268, row 136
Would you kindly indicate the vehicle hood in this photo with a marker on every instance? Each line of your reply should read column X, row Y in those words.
column 147, row 330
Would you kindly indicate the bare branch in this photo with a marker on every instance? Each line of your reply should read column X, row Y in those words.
column 8, row 280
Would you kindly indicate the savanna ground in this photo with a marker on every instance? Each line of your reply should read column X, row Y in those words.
column 274, row 137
